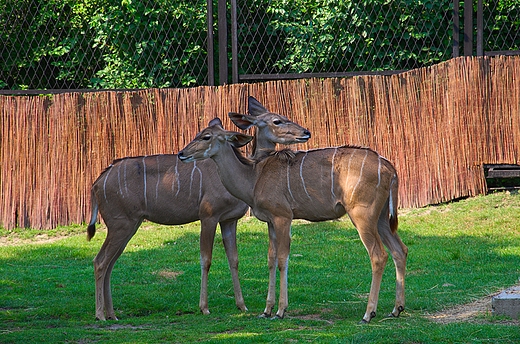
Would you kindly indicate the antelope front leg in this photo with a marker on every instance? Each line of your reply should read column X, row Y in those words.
column 229, row 238
column 207, row 236
column 271, row 263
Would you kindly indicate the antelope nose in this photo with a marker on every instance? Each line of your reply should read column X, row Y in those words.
column 307, row 133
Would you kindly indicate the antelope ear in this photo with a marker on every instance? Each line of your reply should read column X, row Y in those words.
column 215, row 121
column 255, row 107
column 244, row 122
column 238, row 139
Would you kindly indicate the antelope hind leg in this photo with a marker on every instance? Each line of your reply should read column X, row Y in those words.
column 283, row 237
column 271, row 263
column 378, row 259
column 399, row 253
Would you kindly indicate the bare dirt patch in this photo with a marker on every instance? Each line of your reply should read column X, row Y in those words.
column 478, row 311
column 170, row 275
column 14, row 240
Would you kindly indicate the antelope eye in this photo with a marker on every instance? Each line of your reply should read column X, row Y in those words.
column 206, row 138
column 277, row 122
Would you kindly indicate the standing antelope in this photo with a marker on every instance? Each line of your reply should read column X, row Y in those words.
column 159, row 189
column 315, row 185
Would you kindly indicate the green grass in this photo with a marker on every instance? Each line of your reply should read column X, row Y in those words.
column 458, row 252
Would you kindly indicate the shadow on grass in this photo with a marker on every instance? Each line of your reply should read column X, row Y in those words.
column 51, row 285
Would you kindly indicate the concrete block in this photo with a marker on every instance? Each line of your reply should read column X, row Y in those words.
column 507, row 303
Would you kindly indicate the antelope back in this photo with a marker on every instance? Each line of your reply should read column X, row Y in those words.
column 325, row 183
column 162, row 189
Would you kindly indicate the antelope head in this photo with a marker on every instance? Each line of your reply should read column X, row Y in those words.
column 208, row 142
column 272, row 128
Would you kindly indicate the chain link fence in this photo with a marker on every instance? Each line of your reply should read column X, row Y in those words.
column 292, row 37
column 100, row 44
column 130, row 44
column 501, row 27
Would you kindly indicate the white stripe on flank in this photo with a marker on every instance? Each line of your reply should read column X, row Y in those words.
column 144, row 186
column 124, row 177
column 301, row 175
column 177, row 178
column 119, row 179
column 360, row 175
column 378, row 171
column 105, row 183
column 289, row 182
column 349, row 161
column 158, row 178
column 332, row 174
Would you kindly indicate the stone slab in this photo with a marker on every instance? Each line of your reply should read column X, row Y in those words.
column 507, row 303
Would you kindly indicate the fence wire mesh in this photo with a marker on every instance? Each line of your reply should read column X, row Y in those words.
column 70, row 44
column 129, row 44
column 501, row 26
column 309, row 36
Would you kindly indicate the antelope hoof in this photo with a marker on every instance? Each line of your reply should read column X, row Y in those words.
column 398, row 311
column 277, row 317
column 205, row 311
column 365, row 321
column 243, row 308
column 264, row 316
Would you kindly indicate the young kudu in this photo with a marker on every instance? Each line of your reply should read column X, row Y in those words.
column 315, row 185
column 159, row 189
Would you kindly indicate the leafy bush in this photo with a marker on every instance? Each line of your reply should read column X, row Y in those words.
column 330, row 36
column 103, row 43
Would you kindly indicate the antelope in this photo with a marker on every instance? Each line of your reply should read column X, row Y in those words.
column 159, row 189
column 315, row 185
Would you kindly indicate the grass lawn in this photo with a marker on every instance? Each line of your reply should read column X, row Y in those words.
column 458, row 253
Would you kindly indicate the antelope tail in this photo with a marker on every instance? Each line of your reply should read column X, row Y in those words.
column 393, row 203
column 91, row 229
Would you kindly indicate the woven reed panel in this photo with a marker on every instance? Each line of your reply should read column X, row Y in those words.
column 438, row 125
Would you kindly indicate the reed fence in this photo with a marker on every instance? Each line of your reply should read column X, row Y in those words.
column 438, row 125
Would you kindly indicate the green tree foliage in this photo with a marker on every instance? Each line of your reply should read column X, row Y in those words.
column 345, row 35
column 102, row 43
column 502, row 27
column 46, row 44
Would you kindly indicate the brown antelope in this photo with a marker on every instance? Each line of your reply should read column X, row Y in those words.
column 159, row 189
column 315, row 185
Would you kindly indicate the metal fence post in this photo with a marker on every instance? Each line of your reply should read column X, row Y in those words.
column 211, row 58
column 468, row 27
column 480, row 29
column 234, row 42
column 222, row 43
column 456, row 28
